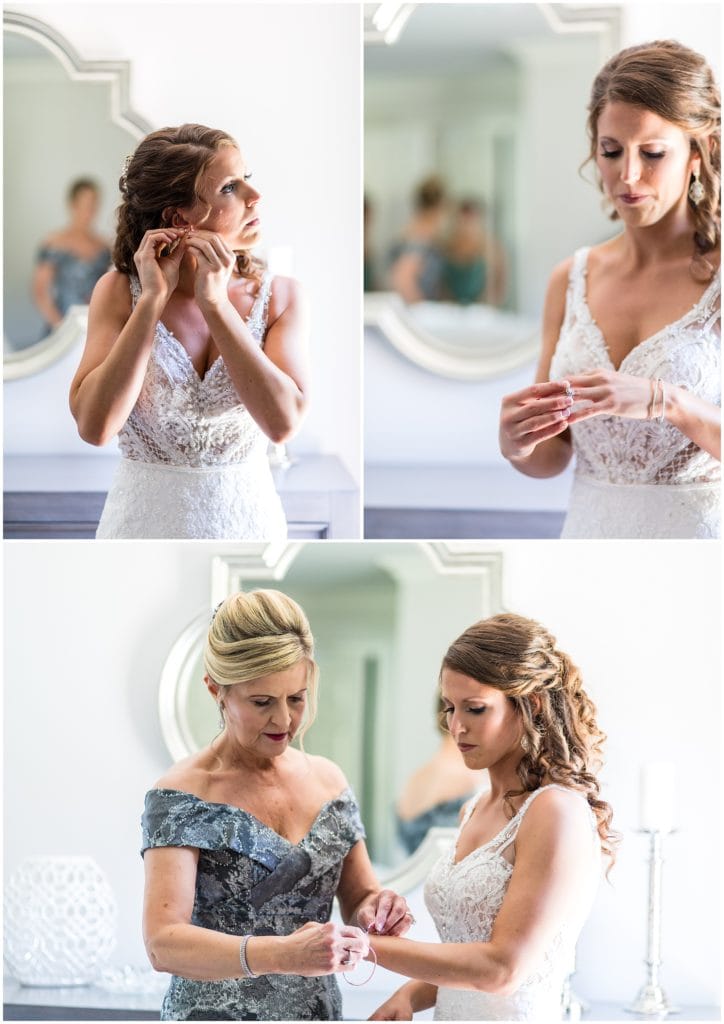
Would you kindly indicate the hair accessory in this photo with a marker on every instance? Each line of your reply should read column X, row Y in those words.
column 246, row 971
column 358, row 984
column 124, row 172
column 696, row 189
column 213, row 614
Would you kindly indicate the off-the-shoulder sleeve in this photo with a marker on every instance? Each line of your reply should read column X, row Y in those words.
column 46, row 254
column 349, row 817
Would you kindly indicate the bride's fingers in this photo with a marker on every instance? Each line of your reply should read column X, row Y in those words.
column 530, row 426
column 542, row 390
column 541, row 406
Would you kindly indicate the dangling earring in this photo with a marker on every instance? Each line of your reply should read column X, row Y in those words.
column 525, row 744
column 222, row 720
column 696, row 189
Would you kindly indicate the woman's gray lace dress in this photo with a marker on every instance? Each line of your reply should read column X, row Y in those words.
column 195, row 461
column 252, row 881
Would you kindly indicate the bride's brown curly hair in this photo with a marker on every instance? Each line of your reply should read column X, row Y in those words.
column 165, row 170
column 676, row 83
column 560, row 740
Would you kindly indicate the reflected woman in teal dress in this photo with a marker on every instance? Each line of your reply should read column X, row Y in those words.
column 473, row 263
column 70, row 261
column 247, row 842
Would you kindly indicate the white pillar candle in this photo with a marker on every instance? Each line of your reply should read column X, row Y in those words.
column 658, row 780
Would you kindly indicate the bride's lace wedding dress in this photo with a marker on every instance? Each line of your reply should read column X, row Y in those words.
column 464, row 899
column 195, row 462
column 642, row 478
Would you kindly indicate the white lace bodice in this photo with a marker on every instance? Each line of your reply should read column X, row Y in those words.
column 687, row 353
column 181, row 419
column 196, row 462
column 464, row 900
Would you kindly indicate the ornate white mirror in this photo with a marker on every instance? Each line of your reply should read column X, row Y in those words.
column 489, row 101
column 66, row 120
column 383, row 615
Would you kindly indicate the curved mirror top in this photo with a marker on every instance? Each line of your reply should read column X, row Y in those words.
column 382, row 616
column 66, row 136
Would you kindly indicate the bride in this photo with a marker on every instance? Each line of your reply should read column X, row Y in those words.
column 510, row 898
column 195, row 355
column 629, row 374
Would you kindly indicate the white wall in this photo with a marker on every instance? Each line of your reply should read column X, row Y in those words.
column 285, row 80
column 87, row 629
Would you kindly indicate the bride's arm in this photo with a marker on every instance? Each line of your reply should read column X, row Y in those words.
column 553, row 864
column 611, row 393
column 271, row 382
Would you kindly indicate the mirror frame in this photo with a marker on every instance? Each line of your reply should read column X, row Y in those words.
column 387, row 312
column 72, row 330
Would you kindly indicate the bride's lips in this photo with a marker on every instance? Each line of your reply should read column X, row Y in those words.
column 250, row 223
column 277, row 737
column 465, row 747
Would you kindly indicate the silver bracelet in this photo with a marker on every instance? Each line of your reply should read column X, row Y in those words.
column 246, row 971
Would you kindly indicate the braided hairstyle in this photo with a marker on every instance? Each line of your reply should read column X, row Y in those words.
column 678, row 85
column 256, row 633
column 561, row 741
column 166, row 169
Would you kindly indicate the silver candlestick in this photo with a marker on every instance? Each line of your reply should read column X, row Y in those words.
column 651, row 1000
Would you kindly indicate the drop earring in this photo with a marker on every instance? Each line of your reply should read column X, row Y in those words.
column 222, row 720
column 696, row 189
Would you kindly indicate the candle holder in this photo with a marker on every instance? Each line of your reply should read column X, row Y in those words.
column 651, row 1000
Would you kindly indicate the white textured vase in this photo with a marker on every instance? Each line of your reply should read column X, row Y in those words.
column 59, row 921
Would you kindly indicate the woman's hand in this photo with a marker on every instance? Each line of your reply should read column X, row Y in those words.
column 316, row 949
column 397, row 1007
column 532, row 415
column 215, row 263
column 609, row 393
column 159, row 274
column 385, row 913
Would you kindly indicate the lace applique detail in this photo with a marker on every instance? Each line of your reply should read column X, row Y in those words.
column 181, row 419
column 615, row 450
column 195, row 461
column 464, row 900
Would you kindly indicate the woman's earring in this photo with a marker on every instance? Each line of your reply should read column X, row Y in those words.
column 525, row 744
column 222, row 720
column 696, row 189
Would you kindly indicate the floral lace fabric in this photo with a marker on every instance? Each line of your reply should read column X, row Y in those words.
column 464, row 900
column 217, row 481
column 252, row 881
column 642, row 478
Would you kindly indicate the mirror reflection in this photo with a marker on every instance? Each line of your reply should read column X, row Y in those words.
column 65, row 154
column 382, row 616
column 462, row 165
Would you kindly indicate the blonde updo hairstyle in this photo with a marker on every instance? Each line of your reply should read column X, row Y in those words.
column 256, row 633
column 678, row 85
column 561, row 741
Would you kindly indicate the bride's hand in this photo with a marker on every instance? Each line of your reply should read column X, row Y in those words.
column 532, row 415
column 214, row 266
column 385, row 913
column 157, row 273
column 397, row 1007
column 609, row 393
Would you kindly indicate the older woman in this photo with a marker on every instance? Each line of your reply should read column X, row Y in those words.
column 630, row 371
column 247, row 842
